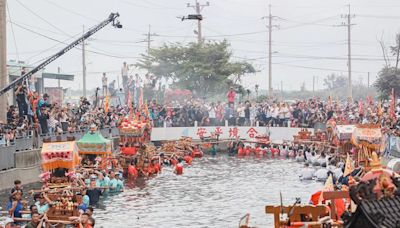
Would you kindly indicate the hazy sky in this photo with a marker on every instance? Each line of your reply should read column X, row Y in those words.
column 308, row 43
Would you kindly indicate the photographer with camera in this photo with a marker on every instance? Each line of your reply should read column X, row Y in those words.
column 20, row 93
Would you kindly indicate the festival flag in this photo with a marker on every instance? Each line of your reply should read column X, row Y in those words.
column 328, row 187
column 392, row 110
column 141, row 98
column 330, row 100
column 368, row 100
column 146, row 110
column 130, row 103
column 360, row 107
column 348, row 166
column 380, row 111
column 106, row 104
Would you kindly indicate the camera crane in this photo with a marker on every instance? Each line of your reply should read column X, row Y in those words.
column 111, row 19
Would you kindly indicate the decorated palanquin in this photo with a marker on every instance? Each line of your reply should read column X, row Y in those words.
column 179, row 147
column 367, row 138
column 59, row 155
column 303, row 135
column 94, row 143
column 262, row 139
column 133, row 133
column 134, row 130
column 65, row 205
column 342, row 138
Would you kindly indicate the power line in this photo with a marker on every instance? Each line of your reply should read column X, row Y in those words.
column 13, row 33
column 37, row 15
column 70, row 11
column 63, row 42
column 316, row 68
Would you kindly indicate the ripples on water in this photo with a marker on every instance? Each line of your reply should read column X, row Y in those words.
column 213, row 192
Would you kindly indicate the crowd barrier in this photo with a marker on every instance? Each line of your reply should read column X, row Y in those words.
column 24, row 150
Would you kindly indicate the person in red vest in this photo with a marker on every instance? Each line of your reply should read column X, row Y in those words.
column 132, row 171
column 231, row 96
column 188, row 159
column 179, row 167
column 157, row 166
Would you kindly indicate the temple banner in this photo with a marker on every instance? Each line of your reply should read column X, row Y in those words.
column 276, row 133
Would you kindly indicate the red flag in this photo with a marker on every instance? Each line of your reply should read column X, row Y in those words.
column 360, row 107
column 130, row 103
column 392, row 110
column 141, row 98
column 368, row 100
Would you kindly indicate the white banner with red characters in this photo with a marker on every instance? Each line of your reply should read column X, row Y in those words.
column 232, row 132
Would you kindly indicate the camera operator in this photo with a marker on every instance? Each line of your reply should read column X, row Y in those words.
column 43, row 103
column 20, row 93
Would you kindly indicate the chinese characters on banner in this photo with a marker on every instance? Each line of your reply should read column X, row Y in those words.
column 225, row 132
column 252, row 132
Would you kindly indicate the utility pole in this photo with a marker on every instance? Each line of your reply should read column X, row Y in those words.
column 59, row 71
column 348, row 24
column 84, row 66
column 270, row 27
column 368, row 81
column 198, row 7
column 59, row 85
column 148, row 39
column 313, row 85
column 3, row 59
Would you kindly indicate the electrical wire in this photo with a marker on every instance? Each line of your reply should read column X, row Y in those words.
column 317, row 68
column 62, row 42
column 13, row 33
column 70, row 11
column 37, row 15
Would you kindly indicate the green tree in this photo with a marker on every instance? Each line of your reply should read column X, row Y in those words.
column 205, row 69
column 388, row 79
column 333, row 81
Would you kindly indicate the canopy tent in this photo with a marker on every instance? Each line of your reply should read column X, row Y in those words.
column 94, row 143
column 344, row 132
column 59, row 155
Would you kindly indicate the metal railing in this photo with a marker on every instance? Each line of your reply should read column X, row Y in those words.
column 20, row 144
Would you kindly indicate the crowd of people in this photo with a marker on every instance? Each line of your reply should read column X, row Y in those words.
column 300, row 113
column 34, row 114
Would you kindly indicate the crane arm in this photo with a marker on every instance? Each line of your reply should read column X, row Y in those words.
column 111, row 18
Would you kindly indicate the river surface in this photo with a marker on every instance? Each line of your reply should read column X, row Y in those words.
column 212, row 192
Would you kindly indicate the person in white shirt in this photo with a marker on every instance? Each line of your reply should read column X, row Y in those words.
column 253, row 114
column 306, row 173
column 124, row 73
column 322, row 173
column 241, row 115
column 274, row 115
column 212, row 114
column 104, row 83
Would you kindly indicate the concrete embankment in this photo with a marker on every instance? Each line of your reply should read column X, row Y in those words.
column 27, row 169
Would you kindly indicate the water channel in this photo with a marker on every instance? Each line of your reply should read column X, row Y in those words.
column 213, row 192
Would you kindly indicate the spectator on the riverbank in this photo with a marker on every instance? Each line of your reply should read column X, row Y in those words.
column 16, row 189
column 231, row 96
column 15, row 206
